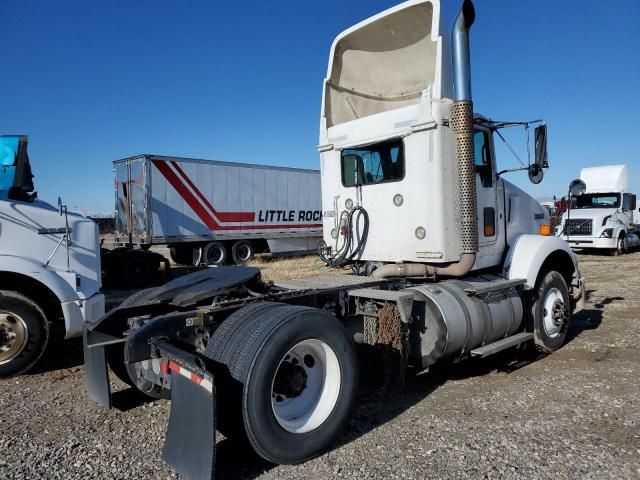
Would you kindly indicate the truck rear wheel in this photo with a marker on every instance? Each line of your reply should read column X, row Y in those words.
column 242, row 251
column 24, row 333
column 291, row 379
column 550, row 312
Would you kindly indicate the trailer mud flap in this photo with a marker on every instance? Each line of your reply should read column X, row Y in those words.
column 190, row 442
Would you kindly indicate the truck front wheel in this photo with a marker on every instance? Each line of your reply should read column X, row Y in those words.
column 621, row 246
column 295, row 371
column 24, row 333
column 550, row 312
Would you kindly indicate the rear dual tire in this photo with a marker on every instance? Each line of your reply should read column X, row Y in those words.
column 287, row 379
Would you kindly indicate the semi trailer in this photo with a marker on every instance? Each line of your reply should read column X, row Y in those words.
column 454, row 263
column 50, row 282
column 604, row 216
column 211, row 212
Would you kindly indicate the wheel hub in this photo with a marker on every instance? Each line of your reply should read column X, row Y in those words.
column 558, row 313
column 290, row 381
column 13, row 336
column 306, row 386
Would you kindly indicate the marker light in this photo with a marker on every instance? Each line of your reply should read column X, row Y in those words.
column 421, row 233
column 348, row 204
column 545, row 229
column 334, row 233
column 397, row 200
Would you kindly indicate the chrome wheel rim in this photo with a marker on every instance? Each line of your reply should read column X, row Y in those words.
column 13, row 336
column 554, row 313
column 306, row 386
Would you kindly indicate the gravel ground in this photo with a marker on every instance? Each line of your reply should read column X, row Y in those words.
column 574, row 414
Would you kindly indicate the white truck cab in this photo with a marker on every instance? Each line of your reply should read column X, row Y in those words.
column 50, row 274
column 604, row 216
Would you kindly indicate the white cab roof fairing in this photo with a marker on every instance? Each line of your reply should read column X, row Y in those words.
column 609, row 178
column 385, row 62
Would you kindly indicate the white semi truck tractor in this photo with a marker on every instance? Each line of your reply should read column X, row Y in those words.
column 49, row 266
column 602, row 215
column 462, row 263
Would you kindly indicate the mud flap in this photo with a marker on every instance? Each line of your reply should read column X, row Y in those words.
column 96, row 372
column 190, row 442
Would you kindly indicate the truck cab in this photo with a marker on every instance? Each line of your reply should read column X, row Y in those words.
column 604, row 217
column 50, row 275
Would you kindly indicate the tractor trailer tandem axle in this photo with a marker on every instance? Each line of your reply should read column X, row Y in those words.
column 459, row 263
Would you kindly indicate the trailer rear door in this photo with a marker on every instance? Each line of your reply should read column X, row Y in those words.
column 131, row 199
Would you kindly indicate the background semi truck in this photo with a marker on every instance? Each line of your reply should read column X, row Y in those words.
column 463, row 263
column 50, row 281
column 604, row 216
column 212, row 212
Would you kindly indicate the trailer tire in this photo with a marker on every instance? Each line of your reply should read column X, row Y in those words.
column 24, row 333
column 550, row 311
column 181, row 255
column 215, row 253
column 241, row 252
column 290, row 377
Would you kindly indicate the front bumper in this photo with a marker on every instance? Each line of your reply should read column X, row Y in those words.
column 579, row 242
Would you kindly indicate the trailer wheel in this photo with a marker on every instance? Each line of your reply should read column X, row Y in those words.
column 182, row 255
column 295, row 375
column 241, row 252
column 24, row 333
column 550, row 312
column 215, row 253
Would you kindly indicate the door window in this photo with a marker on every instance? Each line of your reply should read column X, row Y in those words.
column 483, row 157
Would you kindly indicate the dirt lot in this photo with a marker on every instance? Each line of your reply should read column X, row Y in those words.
column 574, row 414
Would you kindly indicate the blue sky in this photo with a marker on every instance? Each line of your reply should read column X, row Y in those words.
column 91, row 82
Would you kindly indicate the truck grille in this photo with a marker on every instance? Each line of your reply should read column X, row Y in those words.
column 578, row 226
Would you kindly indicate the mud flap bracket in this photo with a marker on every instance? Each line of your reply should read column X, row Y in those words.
column 190, row 441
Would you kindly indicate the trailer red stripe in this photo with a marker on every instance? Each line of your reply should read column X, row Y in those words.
column 222, row 216
column 206, row 217
column 184, row 192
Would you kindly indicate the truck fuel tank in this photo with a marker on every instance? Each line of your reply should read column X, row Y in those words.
column 452, row 317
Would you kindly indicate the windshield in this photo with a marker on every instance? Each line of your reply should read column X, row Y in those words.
column 598, row 200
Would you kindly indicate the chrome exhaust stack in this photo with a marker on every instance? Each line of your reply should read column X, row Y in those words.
column 462, row 124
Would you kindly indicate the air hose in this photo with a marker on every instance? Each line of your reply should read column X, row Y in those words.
column 355, row 239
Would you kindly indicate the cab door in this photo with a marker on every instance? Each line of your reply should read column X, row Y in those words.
column 490, row 194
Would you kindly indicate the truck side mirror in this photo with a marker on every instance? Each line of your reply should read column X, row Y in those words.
column 540, row 138
column 536, row 172
column 577, row 187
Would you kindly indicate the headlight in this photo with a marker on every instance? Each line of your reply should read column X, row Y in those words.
column 607, row 233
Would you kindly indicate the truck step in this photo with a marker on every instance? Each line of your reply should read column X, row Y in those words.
column 500, row 345
column 496, row 286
